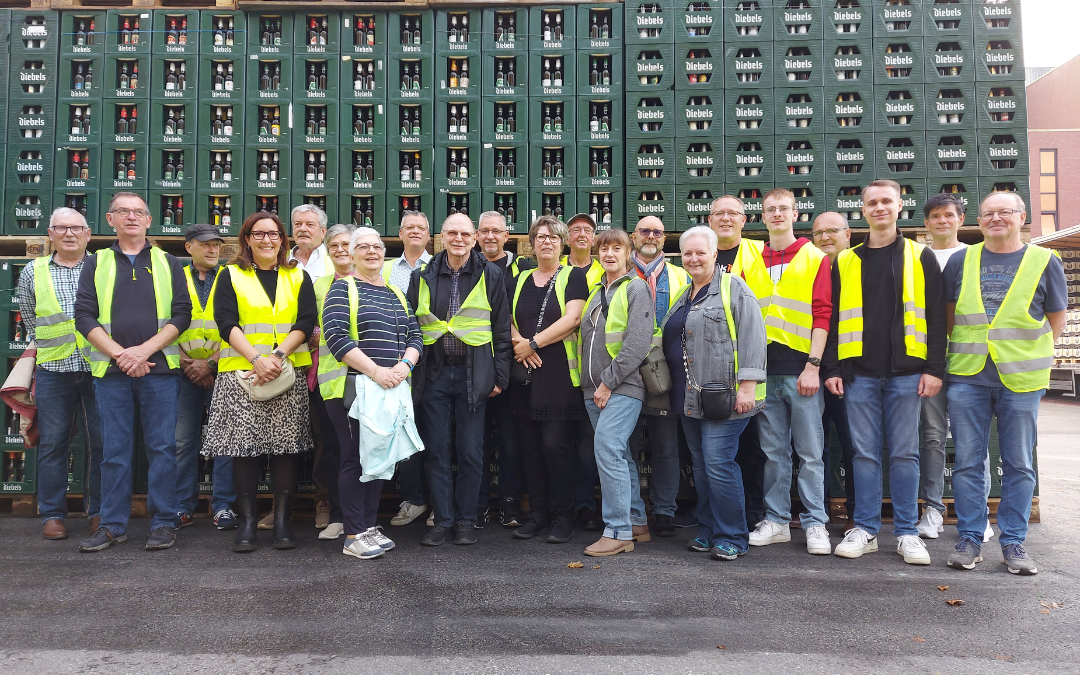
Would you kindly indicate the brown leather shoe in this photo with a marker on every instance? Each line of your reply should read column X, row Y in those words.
column 641, row 533
column 54, row 529
column 322, row 514
column 95, row 523
column 606, row 546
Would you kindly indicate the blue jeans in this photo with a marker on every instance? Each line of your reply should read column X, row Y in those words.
column 156, row 396
column 194, row 400
column 836, row 413
column 884, row 409
column 445, row 398
column 935, row 424
column 721, row 509
column 972, row 408
column 790, row 416
column 664, row 462
column 62, row 398
column 621, row 504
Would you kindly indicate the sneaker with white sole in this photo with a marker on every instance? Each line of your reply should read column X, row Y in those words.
column 1018, row 560
column 767, row 532
column 931, row 524
column 332, row 531
column 817, row 540
column 381, row 539
column 363, row 546
column 407, row 513
column 965, row 555
column 857, row 541
column 913, row 550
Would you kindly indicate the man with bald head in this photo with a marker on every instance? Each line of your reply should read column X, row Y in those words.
column 665, row 281
column 831, row 234
column 461, row 306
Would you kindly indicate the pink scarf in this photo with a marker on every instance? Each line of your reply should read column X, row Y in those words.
column 649, row 272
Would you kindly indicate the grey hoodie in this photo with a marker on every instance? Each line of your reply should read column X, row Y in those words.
column 619, row 374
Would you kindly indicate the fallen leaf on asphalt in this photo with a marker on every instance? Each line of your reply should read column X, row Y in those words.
column 943, row 588
column 1003, row 657
column 596, row 567
column 1052, row 604
column 917, row 639
column 721, row 647
column 955, row 602
column 575, row 565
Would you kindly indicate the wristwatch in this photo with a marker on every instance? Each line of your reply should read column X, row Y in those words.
column 814, row 361
column 280, row 354
column 533, row 346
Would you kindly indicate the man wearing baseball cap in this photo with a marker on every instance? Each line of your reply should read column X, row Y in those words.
column 199, row 346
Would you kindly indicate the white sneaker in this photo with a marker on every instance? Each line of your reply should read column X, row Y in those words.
column 931, row 523
column 988, row 533
column 768, row 532
column 431, row 519
column 817, row 540
column 363, row 546
column 384, row 542
column 856, row 542
column 332, row 531
column 913, row 550
column 408, row 513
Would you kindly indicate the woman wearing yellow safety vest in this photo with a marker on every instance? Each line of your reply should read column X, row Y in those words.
column 617, row 330
column 328, row 513
column 265, row 310
column 714, row 335
column 546, row 310
column 368, row 331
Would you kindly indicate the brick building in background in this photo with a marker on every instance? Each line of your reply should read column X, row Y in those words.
column 1054, row 148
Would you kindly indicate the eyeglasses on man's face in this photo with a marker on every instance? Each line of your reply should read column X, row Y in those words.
column 831, row 232
column 259, row 235
column 782, row 210
column 648, row 232
column 64, row 229
column 727, row 214
column 1004, row 214
column 123, row 212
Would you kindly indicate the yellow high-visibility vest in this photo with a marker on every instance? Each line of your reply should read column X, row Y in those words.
column 570, row 344
column 55, row 335
column 1022, row 348
column 472, row 323
column 913, row 293
column 787, row 305
column 255, row 311
column 750, row 265
column 201, row 340
column 593, row 275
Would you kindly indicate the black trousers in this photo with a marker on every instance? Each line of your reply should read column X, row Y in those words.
column 836, row 413
column 359, row 501
column 548, row 454
column 325, row 468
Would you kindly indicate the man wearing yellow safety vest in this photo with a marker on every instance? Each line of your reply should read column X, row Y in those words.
column 199, row 348
column 461, row 307
column 665, row 281
column 885, row 353
column 727, row 216
column 63, row 387
column 582, row 230
column 492, row 232
column 793, row 285
column 1006, row 307
column 132, row 305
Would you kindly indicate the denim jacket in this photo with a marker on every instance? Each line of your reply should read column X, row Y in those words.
column 708, row 343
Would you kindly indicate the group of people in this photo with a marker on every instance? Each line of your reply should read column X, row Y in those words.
column 754, row 350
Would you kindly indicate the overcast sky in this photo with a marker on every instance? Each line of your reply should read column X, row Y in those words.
column 1051, row 34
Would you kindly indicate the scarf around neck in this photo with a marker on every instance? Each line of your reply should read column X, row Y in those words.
column 650, row 272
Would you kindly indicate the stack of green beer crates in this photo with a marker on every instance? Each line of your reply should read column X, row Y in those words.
column 18, row 466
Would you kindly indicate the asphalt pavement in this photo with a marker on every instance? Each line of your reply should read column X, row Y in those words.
column 506, row 606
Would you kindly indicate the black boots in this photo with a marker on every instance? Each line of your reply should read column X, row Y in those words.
column 247, row 517
column 283, row 532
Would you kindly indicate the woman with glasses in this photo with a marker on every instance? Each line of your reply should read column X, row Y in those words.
column 337, row 248
column 266, row 310
column 371, row 332
column 546, row 309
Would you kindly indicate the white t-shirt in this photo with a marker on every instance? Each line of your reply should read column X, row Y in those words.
column 318, row 263
column 944, row 254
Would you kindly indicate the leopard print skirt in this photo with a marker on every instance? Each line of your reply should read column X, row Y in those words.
column 240, row 427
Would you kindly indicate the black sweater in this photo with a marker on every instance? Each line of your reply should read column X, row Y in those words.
column 901, row 363
column 134, row 307
column 227, row 313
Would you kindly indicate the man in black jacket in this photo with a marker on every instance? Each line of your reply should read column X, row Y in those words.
column 885, row 352
column 466, row 360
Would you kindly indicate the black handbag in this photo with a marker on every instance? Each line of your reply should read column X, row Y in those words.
column 520, row 374
column 717, row 398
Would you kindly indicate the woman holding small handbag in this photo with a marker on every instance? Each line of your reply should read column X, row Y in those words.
column 265, row 310
column 714, row 342
column 546, row 399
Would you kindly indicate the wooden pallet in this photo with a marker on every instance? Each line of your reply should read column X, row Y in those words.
column 20, row 506
column 139, row 4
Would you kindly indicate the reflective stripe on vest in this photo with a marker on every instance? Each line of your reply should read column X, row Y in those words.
column 570, row 344
column 201, row 339
column 472, row 323
column 55, row 335
column 787, row 305
column 331, row 373
column 617, row 320
column 105, row 284
column 593, row 275
column 253, row 305
column 725, row 296
column 1021, row 347
column 850, row 328
column 750, row 265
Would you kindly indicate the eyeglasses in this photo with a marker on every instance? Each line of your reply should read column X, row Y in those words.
column 778, row 209
column 831, row 232
column 64, row 229
column 647, row 232
column 124, row 213
column 259, row 235
column 364, row 248
column 541, row 238
column 1001, row 213
column 489, row 232
column 413, row 227
column 338, row 247
column 577, row 229
column 456, row 235
column 727, row 214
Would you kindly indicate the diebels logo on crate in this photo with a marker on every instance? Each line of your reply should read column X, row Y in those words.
column 29, row 211
column 851, row 16
column 954, row 153
column 949, row 106
column 848, row 108
column 848, row 62
column 850, row 155
column 899, row 107
column 988, row 12
column 901, row 13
